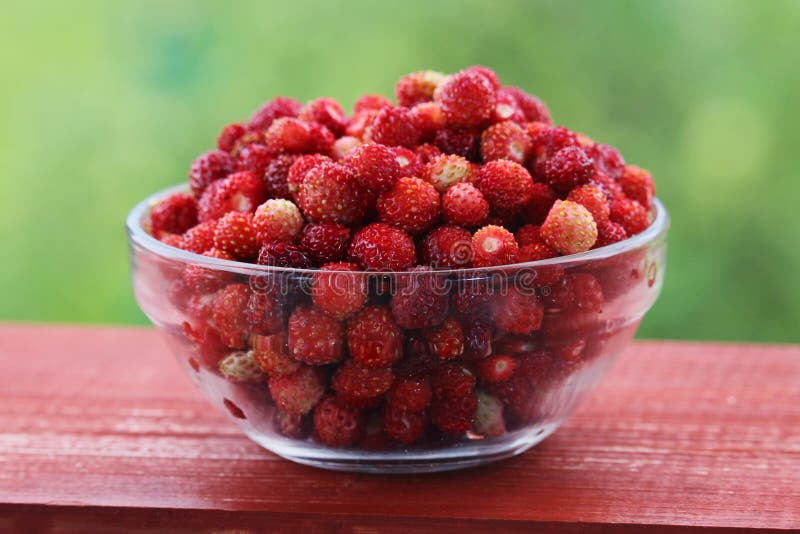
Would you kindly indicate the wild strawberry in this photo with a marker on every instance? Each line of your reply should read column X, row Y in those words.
column 325, row 243
column 558, row 296
column 505, row 185
column 173, row 215
column 527, row 235
column 610, row 187
column 446, row 247
column 229, row 315
column 375, row 166
column 240, row 191
column 587, row 290
column 236, row 235
column 486, row 72
column 493, row 245
column 417, row 87
column 505, row 140
column 380, row 247
column 338, row 290
column 507, row 108
column 496, row 368
column 173, row 240
column 229, row 135
column 638, row 185
column 250, row 137
column 471, row 296
column 240, row 367
column 253, row 158
column 315, row 338
column 569, row 228
column 327, row 112
column 297, row 393
column 371, row 103
column 631, row 215
column 535, row 252
column 343, row 146
column 464, row 142
column 534, row 109
column 373, row 337
column 299, row 167
column 336, row 423
column 517, row 312
column 361, row 386
column 467, row 99
column 330, row 194
column 204, row 279
column 271, row 353
column 200, row 238
column 446, row 341
column 292, row 425
column 359, row 122
column 322, row 139
column 608, row 233
column 209, row 167
column 393, row 127
column 593, row 199
column 410, row 395
column 278, row 107
column 452, row 380
column 288, row 135
column 404, row 427
column 537, row 208
column 445, row 170
column 545, row 142
column 277, row 220
column 276, row 174
column 412, row 205
column 464, row 205
column 426, row 153
column 607, row 160
column 568, row 168
column 265, row 309
column 429, row 119
column 373, row 437
column 283, row 254
column 454, row 400
column 419, row 300
column 488, row 419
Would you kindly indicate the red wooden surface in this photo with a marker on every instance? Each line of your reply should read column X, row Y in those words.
column 100, row 432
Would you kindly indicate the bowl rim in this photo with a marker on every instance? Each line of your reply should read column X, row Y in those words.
column 137, row 235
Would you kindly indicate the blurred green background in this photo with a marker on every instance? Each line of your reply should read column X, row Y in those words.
column 104, row 102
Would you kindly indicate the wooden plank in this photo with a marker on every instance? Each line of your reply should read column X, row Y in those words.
column 98, row 426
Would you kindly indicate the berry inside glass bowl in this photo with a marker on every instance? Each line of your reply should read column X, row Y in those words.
column 419, row 287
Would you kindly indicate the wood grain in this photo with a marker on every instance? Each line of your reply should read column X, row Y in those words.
column 101, row 432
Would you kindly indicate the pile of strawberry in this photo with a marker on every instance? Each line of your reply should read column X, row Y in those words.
column 463, row 172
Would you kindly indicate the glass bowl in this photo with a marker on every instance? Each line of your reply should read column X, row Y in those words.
column 561, row 322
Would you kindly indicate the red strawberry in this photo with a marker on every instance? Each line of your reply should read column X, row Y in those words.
column 330, row 194
column 371, row 103
column 534, row 109
column 374, row 338
column 200, row 238
column 593, row 199
column 568, row 168
column 496, row 368
column 292, row 425
column 289, row 135
column 277, row 220
column 447, row 169
column 229, row 315
column 410, row 395
column 507, row 108
column 541, row 200
column 517, row 312
column 452, row 380
column 487, row 73
column 339, row 290
column 446, row 341
column 325, row 243
column 240, row 367
column 545, row 142
column 344, row 146
column 405, row 427
column 173, row 215
column 276, row 174
column 477, row 339
column 380, row 247
column 393, row 127
column 299, row 392
column 336, row 423
column 569, row 228
column 419, row 300
column 587, row 290
column 253, row 158
column 207, row 168
column 299, row 167
column 630, row 214
column 429, row 119
column 278, row 107
column 527, row 235
column 315, row 338
column 412, row 205
column 535, row 252
column 327, row 112
column 607, row 160
column 505, row 185
column 463, row 204
column 374, row 166
column 505, row 140
column 467, row 99
column 446, row 247
column 493, row 245
column 271, row 353
column 283, row 254
column 607, row 233
column 417, row 87
column 359, row 122
column 241, row 191
column 465, row 142
column 204, row 279
column 229, row 135
column 265, row 310
column 236, row 235
column 361, row 386
column 638, row 185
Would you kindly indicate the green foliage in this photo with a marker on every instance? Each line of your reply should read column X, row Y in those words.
column 105, row 102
